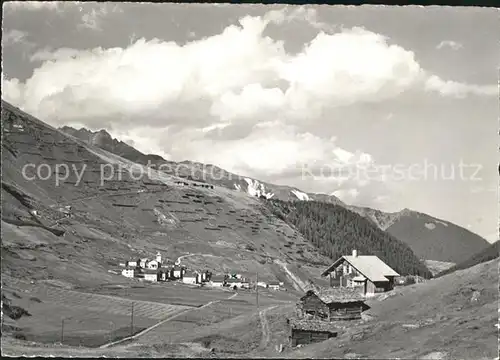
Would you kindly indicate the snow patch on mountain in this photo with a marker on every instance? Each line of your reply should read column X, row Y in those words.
column 430, row 226
column 237, row 187
column 300, row 195
column 255, row 188
column 442, row 223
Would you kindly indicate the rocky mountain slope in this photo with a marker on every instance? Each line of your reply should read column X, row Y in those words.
column 429, row 237
column 197, row 171
column 104, row 140
column 80, row 221
column 66, row 222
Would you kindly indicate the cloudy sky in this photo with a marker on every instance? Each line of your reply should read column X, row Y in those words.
column 309, row 96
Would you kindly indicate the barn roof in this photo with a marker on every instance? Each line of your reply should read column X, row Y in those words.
column 313, row 325
column 369, row 266
column 338, row 295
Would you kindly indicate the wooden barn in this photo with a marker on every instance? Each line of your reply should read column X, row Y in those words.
column 332, row 304
column 303, row 332
column 367, row 273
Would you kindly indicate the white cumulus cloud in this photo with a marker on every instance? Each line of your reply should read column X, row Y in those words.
column 238, row 73
column 449, row 44
column 457, row 89
column 33, row 5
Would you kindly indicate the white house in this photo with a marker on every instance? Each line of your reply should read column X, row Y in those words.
column 178, row 272
column 217, row 281
column 204, row 276
column 128, row 272
column 368, row 273
column 262, row 284
column 151, row 275
column 274, row 285
column 234, row 283
column 131, row 263
column 190, row 278
column 245, row 284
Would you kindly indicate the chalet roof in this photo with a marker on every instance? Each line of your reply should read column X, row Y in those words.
column 369, row 266
column 338, row 295
column 235, row 280
column 273, row 283
column 218, row 278
column 190, row 274
column 313, row 325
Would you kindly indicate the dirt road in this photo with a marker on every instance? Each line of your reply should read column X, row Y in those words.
column 265, row 327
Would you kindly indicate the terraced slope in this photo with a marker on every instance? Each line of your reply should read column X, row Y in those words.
column 124, row 216
column 430, row 238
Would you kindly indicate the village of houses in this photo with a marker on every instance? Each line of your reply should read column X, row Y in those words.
column 154, row 270
column 321, row 313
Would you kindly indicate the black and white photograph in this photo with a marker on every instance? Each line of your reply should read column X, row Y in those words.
column 216, row 180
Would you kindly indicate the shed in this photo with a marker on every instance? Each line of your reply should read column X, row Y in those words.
column 333, row 304
column 303, row 332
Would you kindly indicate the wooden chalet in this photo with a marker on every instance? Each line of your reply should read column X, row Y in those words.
column 303, row 332
column 332, row 304
column 367, row 273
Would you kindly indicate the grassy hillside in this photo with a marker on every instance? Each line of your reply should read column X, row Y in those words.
column 490, row 253
column 453, row 317
column 336, row 231
column 429, row 238
column 449, row 318
column 113, row 219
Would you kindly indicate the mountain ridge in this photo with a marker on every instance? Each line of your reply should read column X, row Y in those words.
column 431, row 238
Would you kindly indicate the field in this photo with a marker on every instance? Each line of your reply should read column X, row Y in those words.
column 191, row 324
column 170, row 293
column 103, row 314
column 435, row 267
column 89, row 319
